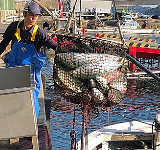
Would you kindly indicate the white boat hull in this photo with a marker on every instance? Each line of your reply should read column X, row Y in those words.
column 141, row 31
column 122, row 133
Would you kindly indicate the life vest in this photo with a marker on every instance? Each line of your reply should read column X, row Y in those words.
column 26, row 54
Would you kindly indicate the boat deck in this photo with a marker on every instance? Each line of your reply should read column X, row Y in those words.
column 122, row 132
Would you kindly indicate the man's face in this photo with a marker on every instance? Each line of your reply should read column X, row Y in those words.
column 31, row 19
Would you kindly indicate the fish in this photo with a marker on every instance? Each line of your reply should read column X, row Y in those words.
column 74, row 60
column 100, row 67
column 71, row 60
column 74, row 90
column 64, row 79
column 96, row 93
column 114, row 96
column 108, row 96
column 115, row 79
column 85, row 69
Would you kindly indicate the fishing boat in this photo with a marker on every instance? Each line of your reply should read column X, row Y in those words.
column 128, row 22
column 74, row 85
column 126, row 135
column 130, row 25
column 140, row 31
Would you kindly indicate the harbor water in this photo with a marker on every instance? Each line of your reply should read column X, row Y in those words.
column 141, row 102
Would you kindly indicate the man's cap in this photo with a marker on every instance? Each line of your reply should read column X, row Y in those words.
column 32, row 8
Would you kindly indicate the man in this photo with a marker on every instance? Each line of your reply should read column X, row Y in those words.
column 26, row 40
column 31, row 13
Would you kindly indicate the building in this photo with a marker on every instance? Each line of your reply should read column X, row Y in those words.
column 7, row 4
column 98, row 6
column 124, row 9
column 7, row 8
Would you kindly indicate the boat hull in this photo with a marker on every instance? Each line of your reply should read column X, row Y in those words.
column 141, row 31
column 125, row 135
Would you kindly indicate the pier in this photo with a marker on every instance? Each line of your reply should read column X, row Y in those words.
column 19, row 127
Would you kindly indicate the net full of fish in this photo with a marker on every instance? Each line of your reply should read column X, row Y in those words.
column 89, row 74
column 73, row 60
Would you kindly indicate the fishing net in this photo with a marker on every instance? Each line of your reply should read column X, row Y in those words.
column 94, row 71
column 87, row 71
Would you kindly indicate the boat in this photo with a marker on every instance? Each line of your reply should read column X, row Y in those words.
column 126, row 135
column 128, row 22
column 130, row 25
column 140, row 31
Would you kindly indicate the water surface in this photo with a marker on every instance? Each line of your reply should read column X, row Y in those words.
column 141, row 102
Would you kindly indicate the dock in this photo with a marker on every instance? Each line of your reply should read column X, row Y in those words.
column 19, row 127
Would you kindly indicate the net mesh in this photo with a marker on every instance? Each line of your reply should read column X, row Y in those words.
column 89, row 71
column 94, row 71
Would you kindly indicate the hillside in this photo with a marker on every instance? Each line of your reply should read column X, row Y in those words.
column 139, row 9
column 153, row 11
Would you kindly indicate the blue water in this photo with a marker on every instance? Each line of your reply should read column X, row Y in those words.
column 141, row 102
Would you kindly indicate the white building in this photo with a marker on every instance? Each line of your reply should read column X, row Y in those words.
column 98, row 6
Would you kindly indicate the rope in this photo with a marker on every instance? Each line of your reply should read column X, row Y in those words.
column 49, row 76
column 73, row 133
